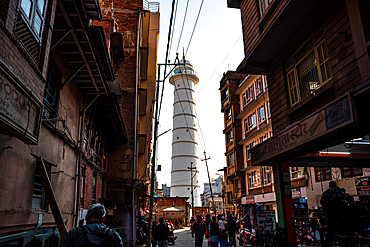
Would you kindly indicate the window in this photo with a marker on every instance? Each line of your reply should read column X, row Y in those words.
column 322, row 173
column 245, row 99
column 250, row 94
column 34, row 11
column 250, row 122
column 39, row 200
column 51, row 92
column 308, row 69
column 261, row 114
column 259, row 86
column 229, row 136
column 228, row 114
column 238, row 185
column 248, row 152
column 224, row 94
column 263, row 4
column 265, row 82
column 351, row 172
column 268, row 110
column 231, row 160
column 267, row 171
column 254, row 179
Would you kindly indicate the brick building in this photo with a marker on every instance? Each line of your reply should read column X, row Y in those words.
column 131, row 29
column 230, row 106
column 59, row 118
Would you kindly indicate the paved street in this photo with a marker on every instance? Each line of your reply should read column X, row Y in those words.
column 184, row 238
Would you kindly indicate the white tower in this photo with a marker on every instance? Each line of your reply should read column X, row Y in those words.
column 184, row 133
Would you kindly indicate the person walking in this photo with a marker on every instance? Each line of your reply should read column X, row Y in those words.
column 223, row 233
column 231, row 228
column 192, row 220
column 208, row 221
column 94, row 233
column 337, row 205
column 161, row 233
column 199, row 229
column 213, row 232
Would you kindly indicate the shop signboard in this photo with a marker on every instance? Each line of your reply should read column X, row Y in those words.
column 20, row 110
column 266, row 220
column 328, row 119
column 249, row 199
column 363, row 186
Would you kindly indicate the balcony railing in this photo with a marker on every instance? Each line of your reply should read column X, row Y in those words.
column 151, row 6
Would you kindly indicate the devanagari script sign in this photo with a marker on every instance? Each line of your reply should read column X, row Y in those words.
column 335, row 115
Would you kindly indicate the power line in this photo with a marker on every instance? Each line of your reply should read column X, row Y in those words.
column 200, row 8
column 183, row 24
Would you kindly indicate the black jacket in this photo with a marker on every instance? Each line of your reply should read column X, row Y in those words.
column 161, row 232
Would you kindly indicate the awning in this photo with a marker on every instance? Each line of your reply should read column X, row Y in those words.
column 172, row 209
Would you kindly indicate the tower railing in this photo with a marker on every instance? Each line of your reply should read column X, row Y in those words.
column 151, row 6
column 183, row 71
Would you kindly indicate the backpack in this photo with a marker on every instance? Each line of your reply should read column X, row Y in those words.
column 96, row 237
column 199, row 227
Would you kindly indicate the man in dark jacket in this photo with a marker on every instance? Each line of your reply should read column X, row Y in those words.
column 200, row 230
column 231, row 228
column 94, row 232
column 161, row 234
column 337, row 205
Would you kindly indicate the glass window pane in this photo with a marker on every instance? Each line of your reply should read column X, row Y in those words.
column 319, row 51
column 40, row 6
column 26, row 6
column 37, row 23
column 323, row 72
column 307, row 75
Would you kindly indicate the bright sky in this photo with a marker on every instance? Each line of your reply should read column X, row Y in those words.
column 215, row 48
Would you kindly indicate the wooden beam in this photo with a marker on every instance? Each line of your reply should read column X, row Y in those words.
column 72, row 76
column 51, row 198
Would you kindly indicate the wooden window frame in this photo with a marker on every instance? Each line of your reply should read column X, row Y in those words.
column 263, row 6
column 52, row 91
column 259, row 111
column 292, row 78
column 30, row 18
column 259, row 86
column 38, row 190
column 267, row 175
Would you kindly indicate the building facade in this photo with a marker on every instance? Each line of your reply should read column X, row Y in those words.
column 60, row 120
column 316, row 61
column 234, row 178
column 68, row 130
column 132, row 29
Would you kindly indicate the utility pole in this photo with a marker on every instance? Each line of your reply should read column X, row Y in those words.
column 209, row 180
column 192, row 190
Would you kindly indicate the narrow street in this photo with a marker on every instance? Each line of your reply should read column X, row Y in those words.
column 184, row 238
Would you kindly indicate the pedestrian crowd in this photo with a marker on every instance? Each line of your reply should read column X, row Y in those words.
column 215, row 230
